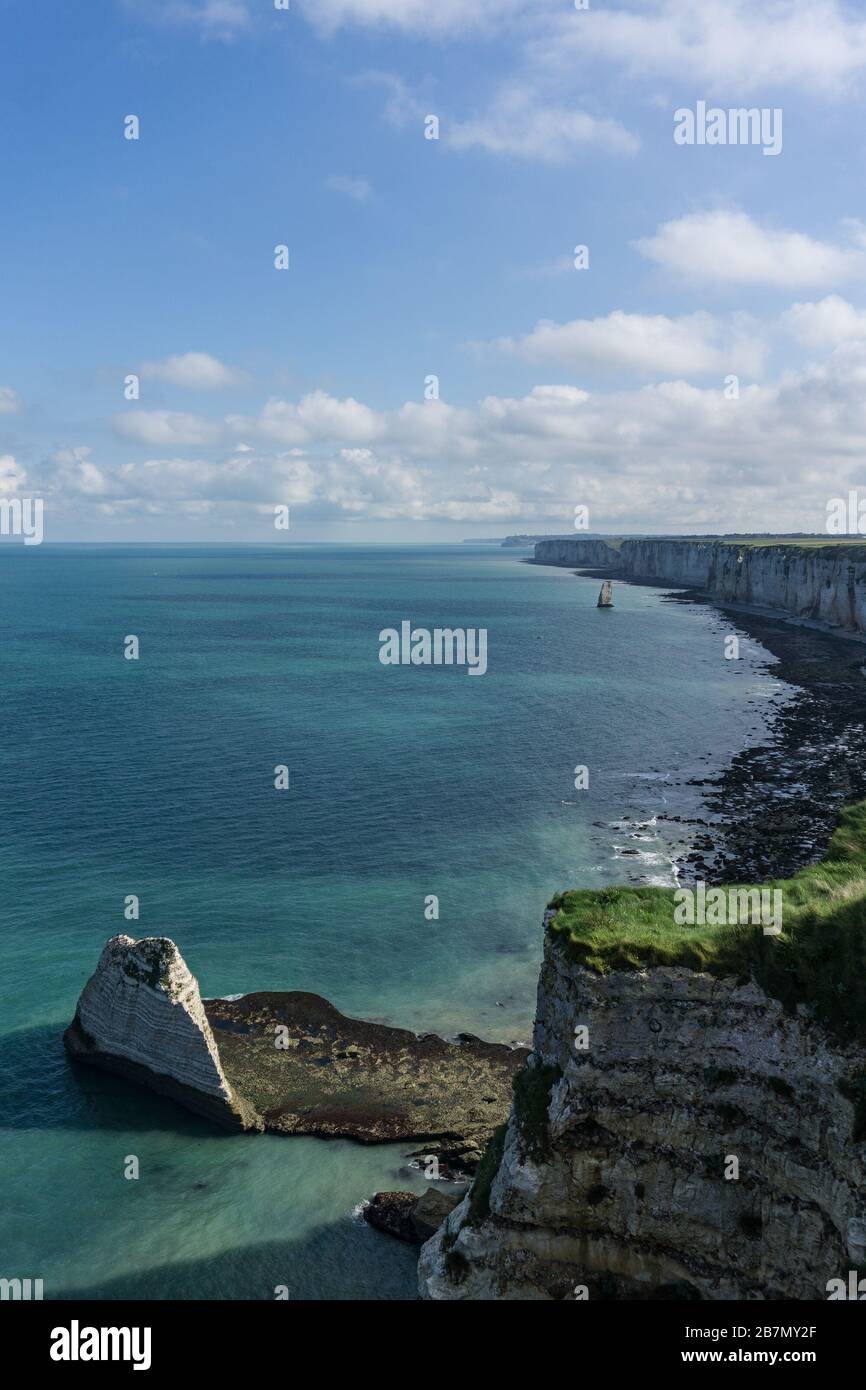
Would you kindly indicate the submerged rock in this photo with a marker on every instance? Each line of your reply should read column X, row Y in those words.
column 308, row 1069
column 391, row 1212
column 287, row 1062
column 409, row 1217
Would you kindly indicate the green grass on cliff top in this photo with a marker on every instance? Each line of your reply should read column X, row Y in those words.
column 855, row 550
column 819, row 959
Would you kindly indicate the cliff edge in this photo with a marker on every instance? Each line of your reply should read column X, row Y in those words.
column 691, row 1122
column 820, row 582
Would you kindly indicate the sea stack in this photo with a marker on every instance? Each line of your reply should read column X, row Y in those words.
column 141, row 1015
column 605, row 598
column 287, row 1061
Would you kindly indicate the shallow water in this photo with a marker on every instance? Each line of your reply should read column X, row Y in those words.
column 156, row 778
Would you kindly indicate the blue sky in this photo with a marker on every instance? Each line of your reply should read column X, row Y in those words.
column 411, row 257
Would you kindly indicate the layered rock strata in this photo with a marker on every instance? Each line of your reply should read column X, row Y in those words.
column 706, row 1144
column 287, row 1062
column 141, row 1015
column 822, row 584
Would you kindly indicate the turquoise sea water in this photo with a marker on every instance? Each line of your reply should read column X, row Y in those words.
column 156, row 778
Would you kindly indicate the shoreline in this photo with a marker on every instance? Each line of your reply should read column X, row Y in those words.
column 773, row 808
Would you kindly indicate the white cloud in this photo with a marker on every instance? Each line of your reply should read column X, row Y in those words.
column 670, row 455
column 317, row 416
column 649, row 345
column 445, row 18
column 72, row 472
column 165, row 427
column 10, row 401
column 521, row 120
column 518, row 122
column 214, row 19
column 12, row 476
column 196, row 371
column 736, row 47
column 826, row 324
column 729, row 247
column 359, row 189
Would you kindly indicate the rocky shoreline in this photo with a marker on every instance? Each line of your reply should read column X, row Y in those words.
column 707, row 1139
column 773, row 808
column 287, row 1062
column 776, row 804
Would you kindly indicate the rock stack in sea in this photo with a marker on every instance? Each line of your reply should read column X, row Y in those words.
column 141, row 1015
column 287, row 1061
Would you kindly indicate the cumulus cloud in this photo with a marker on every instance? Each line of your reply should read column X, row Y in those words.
column 12, row 476
column 359, row 189
column 649, row 345
column 317, row 416
column 826, row 324
column 196, row 371
column 671, row 454
column 729, row 247
column 521, row 119
column 519, row 122
column 75, row 472
column 736, row 47
column 10, row 401
column 165, row 427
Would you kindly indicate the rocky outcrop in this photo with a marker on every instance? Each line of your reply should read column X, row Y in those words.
column 605, row 598
column 141, row 1015
column 821, row 584
column 308, row 1069
column 407, row 1216
column 287, row 1061
column 703, row 1144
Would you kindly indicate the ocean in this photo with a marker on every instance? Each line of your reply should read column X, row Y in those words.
column 155, row 777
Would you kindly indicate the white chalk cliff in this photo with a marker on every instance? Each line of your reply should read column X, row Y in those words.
column 821, row 584
column 141, row 1014
column 616, row 1174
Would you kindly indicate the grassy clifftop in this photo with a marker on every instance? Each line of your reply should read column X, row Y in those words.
column 819, row 957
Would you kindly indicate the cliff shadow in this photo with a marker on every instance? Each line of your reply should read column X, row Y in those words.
column 43, row 1089
column 333, row 1262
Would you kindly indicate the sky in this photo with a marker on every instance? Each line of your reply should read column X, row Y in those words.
column 432, row 365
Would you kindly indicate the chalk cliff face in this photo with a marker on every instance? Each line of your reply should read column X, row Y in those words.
column 141, row 1015
column 573, row 550
column 617, row 1171
column 822, row 584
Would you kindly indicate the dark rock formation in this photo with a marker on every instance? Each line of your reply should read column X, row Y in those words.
column 409, row 1217
column 287, row 1062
